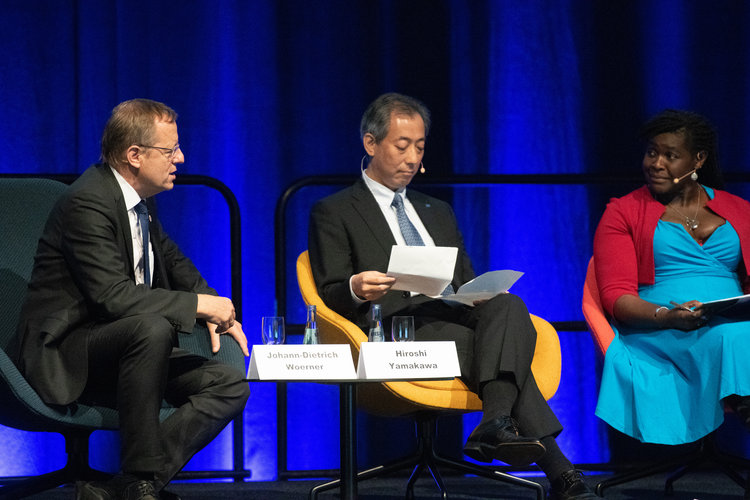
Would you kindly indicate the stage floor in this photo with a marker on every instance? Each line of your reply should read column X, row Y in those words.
column 703, row 485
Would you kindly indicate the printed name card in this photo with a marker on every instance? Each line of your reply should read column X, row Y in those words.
column 301, row 362
column 407, row 360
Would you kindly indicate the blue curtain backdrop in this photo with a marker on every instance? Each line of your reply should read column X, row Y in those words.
column 271, row 91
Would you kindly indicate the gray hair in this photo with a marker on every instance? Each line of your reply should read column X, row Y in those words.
column 377, row 116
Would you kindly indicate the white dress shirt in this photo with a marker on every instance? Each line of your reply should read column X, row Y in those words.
column 384, row 197
column 132, row 198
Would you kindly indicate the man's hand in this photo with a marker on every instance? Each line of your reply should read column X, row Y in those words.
column 216, row 310
column 235, row 331
column 371, row 285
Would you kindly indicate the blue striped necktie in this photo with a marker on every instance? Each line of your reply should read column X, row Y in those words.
column 409, row 232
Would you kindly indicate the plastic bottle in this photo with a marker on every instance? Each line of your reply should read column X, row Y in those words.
column 376, row 325
column 311, row 327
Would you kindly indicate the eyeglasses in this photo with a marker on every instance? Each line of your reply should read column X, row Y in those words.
column 168, row 152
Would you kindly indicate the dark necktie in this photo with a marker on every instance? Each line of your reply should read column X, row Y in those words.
column 409, row 232
column 142, row 212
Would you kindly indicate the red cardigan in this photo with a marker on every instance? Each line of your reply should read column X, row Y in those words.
column 624, row 241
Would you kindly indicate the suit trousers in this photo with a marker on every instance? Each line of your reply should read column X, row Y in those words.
column 134, row 365
column 496, row 337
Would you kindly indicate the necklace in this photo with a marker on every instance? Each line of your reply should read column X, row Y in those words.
column 690, row 223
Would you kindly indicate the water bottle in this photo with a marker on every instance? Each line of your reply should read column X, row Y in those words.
column 376, row 325
column 311, row 327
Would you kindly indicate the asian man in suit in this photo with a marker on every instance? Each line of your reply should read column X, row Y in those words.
column 107, row 296
column 350, row 239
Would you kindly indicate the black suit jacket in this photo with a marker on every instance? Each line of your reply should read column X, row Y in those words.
column 349, row 234
column 83, row 275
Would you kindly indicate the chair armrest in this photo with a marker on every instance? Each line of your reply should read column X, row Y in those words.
column 198, row 342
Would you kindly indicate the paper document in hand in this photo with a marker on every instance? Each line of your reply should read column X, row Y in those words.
column 484, row 287
column 422, row 269
column 734, row 307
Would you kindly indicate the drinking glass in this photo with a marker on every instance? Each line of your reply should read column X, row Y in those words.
column 402, row 329
column 273, row 329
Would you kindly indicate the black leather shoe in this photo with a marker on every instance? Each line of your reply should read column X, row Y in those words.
column 570, row 486
column 499, row 439
column 95, row 490
column 120, row 487
column 168, row 495
column 139, row 489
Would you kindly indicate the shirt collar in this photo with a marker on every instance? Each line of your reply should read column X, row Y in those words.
column 381, row 192
column 129, row 194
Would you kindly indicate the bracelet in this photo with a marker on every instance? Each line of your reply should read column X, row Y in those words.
column 659, row 309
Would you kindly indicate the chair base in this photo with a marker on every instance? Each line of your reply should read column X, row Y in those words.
column 425, row 457
column 707, row 453
column 76, row 468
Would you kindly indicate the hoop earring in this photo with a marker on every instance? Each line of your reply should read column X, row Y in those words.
column 421, row 167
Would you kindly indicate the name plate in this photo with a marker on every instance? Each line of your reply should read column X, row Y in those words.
column 408, row 360
column 301, row 362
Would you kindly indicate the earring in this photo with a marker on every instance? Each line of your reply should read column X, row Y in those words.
column 421, row 167
column 694, row 176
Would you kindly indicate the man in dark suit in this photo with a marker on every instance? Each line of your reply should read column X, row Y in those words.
column 351, row 235
column 107, row 296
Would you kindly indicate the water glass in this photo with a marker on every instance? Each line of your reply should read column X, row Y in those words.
column 273, row 330
column 402, row 329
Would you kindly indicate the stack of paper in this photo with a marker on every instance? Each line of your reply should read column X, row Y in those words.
column 428, row 270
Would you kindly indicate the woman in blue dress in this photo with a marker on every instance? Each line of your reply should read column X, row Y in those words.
column 659, row 253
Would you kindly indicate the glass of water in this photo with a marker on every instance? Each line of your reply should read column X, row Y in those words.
column 402, row 329
column 272, row 330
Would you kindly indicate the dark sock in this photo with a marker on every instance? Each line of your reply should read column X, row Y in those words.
column 553, row 463
column 498, row 397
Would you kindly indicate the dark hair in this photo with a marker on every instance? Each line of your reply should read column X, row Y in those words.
column 699, row 135
column 132, row 122
column 377, row 116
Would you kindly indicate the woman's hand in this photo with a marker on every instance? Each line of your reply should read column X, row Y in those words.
column 686, row 316
column 638, row 313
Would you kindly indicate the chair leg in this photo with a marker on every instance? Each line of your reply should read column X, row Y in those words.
column 429, row 460
column 707, row 453
column 477, row 470
column 490, row 473
column 76, row 468
column 426, row 456
column 380, row 470
column 426, row 428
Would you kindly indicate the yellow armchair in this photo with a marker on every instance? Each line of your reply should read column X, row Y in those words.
column 402, row 398
column 426, row 400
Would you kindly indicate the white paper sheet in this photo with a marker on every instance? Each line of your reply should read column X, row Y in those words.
column 484, row 287
column 422, row 269
column 428, row 270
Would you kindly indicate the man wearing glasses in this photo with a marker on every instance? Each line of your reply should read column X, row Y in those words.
column 108, row 294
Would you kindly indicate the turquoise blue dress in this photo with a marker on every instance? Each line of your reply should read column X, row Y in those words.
column 666, row 386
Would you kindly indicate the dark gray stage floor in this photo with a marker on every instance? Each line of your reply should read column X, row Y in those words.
column 695, row 486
